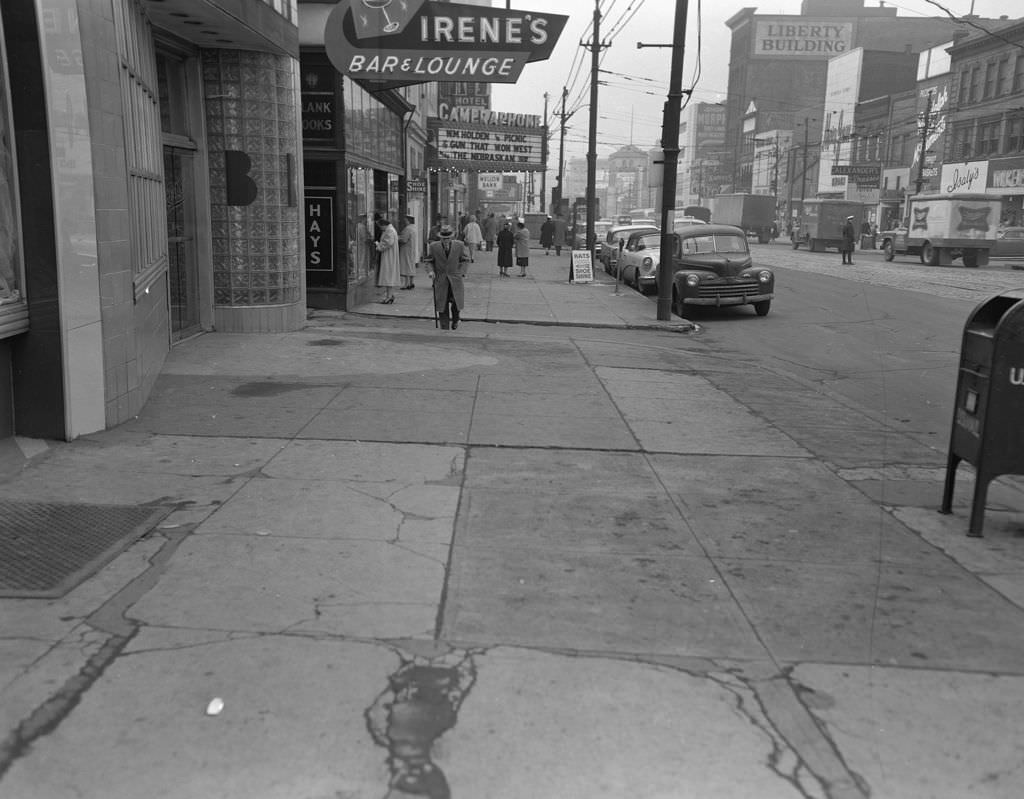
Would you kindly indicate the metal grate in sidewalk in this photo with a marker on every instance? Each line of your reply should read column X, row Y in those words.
column 48, row 548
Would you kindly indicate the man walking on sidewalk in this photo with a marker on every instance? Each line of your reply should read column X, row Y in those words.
column 446, row 267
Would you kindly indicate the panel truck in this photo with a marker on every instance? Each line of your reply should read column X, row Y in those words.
column 755, row 213
column 943, row 227
column 820, row 225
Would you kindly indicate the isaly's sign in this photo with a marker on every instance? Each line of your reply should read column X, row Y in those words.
column 414, row 41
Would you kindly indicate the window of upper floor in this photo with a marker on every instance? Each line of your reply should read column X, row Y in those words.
column 1014, row 140
column 990, row 81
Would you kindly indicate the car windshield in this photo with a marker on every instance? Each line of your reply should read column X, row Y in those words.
column 1013, row 234
column 714, row 243
column 647, row 242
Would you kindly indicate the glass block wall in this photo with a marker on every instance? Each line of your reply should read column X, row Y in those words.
column 252, row 106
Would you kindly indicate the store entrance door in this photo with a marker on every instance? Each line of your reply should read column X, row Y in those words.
column 183, row 264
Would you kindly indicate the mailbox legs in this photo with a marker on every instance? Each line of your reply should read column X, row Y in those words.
column 947, row 494
column 981, row 481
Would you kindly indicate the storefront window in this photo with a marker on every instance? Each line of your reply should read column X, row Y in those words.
column 360, row 223
column 11, row 261
column 372, row 130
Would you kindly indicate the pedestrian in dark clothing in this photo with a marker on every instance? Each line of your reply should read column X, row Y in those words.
column 490, row 231
column 849, row 237
column 547, row 235
column 561, row 231
column 506, row 245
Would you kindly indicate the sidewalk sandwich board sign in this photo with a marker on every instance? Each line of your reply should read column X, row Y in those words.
column 416, row 41
column 582, row 267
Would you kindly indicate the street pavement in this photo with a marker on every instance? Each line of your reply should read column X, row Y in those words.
column 512, row 560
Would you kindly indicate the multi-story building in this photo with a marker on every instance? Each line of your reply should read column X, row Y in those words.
column 852, row 78
column 149, row 189
column 628, row 169
column 778, row 67
column 986, row 132
column 702, row 159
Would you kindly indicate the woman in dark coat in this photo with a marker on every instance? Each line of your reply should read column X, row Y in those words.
column 506, row 243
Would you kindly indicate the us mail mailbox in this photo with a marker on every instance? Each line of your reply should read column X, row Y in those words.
column 988, row 415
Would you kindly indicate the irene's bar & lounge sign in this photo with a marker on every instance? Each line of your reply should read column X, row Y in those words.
column 413, row 41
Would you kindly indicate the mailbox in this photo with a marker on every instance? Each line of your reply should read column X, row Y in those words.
column 988, row 415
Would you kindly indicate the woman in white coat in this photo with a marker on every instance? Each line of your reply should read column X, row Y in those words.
column 388, row 277
column 473, row 236
column 408, row 246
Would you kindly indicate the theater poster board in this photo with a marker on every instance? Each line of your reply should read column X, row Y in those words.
column 582, row 267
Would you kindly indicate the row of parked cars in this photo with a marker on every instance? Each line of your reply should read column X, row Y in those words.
column 711, row 263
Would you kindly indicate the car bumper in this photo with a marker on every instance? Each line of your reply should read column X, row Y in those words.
column 719, row 301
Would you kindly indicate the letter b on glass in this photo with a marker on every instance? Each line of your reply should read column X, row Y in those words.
column 241, row 189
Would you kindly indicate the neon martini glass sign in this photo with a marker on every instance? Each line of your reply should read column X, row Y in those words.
column 390, row 26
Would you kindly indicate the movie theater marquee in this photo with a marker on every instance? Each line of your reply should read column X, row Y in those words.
column 483, row 140
column 809, row 38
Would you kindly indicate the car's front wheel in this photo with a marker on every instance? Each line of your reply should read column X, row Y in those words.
column 887, row 248
column 762, row 308
column 677, row 306
column 929, row 255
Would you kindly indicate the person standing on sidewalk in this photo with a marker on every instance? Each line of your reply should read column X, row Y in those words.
column 472, row 236
column 522, row 240
column 446, row 267
column 561, row 230
column 547, row 235
column 408, row 246
column 434, row 234
column 506, row 248
column 849, row 237
column 388, row 276
column 490, row 231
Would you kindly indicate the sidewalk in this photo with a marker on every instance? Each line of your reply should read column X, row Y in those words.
column 544, row 297
column 508, row 562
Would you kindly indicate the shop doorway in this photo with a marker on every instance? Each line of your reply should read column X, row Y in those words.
column 182, row 261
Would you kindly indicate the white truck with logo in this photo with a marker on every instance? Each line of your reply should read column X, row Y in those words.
column 941, row 228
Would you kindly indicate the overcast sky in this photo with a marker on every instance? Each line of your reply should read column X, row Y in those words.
column 630, row 107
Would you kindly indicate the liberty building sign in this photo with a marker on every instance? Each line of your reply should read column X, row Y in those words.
column 809, row 38
column 414, row 41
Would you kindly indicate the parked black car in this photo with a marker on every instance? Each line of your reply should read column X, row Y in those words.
column 712, row 267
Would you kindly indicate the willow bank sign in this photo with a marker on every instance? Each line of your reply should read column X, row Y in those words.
column 413, row 41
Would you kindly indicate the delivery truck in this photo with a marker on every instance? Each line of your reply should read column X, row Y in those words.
column 943, row 227
column 755, row 213
column 820, row 225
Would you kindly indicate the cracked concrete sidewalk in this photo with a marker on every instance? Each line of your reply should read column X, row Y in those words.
column 495, row 566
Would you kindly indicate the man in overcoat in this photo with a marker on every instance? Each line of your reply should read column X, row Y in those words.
column 447, row 261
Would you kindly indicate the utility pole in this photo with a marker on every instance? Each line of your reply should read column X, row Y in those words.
column 925, row 122
column 803, row 175
column 595, row 52
column 670, row 146
column 557, row 193
column 544, row 159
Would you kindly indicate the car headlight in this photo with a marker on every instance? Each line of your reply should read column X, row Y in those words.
column 764, row 276
column 692, row 280
column 648, row 263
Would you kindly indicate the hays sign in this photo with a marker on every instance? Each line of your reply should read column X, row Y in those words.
column 414, row 41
